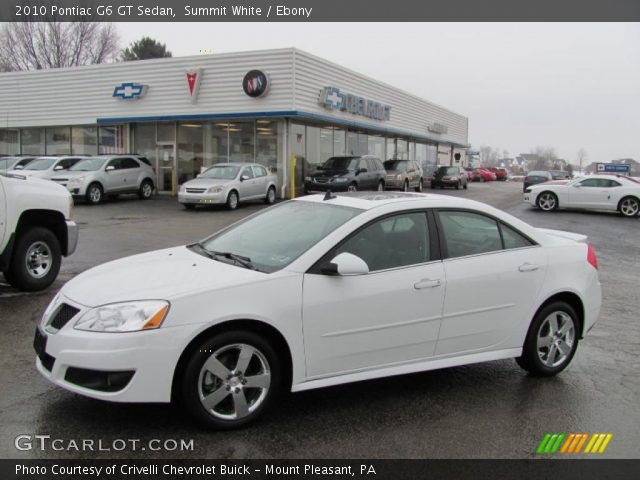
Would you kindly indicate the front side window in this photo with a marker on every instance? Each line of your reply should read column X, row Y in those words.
column 591, row 182
column 467, row 233
column 116, row 163
column 275, row 237
column 392, row 242
column 247, row 172
column 88, row 165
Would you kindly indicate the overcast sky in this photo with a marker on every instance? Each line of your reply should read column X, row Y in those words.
column 522, row 85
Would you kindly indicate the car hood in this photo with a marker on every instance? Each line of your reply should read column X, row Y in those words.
column 65, row 175
column 30, row 173
column 332, row 173
column 162, row 274
column 206, row 182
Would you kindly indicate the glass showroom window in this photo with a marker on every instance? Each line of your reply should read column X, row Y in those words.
column 84, row 140
column 402, row 149
column 352, row 143
column 9, row 142
column 144, row 140
column 32, row 140
column 267, row 144
column 190, row 151
column 326, row 143
column 241, row 141
column 391, row 148
column 339, row 142
column 216, row 143
column 58, row 141
column 376, row 146
column 363, row 144
column 112, row 139
column 313, row 150
column 297, row 144
column 421, row 153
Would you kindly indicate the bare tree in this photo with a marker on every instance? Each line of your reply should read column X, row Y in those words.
column 582, row 156
column 40, row 45
column 547, row 158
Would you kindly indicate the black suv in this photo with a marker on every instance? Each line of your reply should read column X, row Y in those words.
column 349, row 173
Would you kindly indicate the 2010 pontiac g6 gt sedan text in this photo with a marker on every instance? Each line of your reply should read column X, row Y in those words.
column 319, row 291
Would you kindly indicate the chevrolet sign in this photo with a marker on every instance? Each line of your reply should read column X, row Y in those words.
column 129, row 91
column 333, row 98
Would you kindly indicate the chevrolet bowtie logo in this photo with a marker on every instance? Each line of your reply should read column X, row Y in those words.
column 129, row 91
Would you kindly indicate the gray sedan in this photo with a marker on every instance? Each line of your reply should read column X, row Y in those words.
column 230, row 184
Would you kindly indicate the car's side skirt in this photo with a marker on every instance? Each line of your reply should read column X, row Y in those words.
column 422, row 366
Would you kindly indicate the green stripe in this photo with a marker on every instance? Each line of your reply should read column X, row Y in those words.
column 547, row 449
column 558, row 442
column 543, row 443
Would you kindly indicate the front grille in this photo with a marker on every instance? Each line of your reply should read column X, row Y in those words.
column 321, row 180
column 391, row 177
column 196, row 190
column 47, row 361
column 60, row 179
column 63, row 315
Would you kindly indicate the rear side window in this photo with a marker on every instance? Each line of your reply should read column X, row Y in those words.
column 467, row 233
column 513, row 239
column 259, row 171
column 129, row 163
column 145, row 160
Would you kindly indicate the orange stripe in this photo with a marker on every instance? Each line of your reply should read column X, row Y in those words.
column 584, row 439
column 574, row 443
column 567, row 442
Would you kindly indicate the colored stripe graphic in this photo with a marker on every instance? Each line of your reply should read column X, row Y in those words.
column 572, row 443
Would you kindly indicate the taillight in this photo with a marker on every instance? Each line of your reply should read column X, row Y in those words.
column 591, row 256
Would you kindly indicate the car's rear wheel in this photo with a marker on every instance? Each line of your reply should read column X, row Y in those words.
column 405, row 186
column 231, row 379
column 270, row 199
column 629, row 207
column 35, row 261
column 353, row 187
column 232, row 200
column 380, row 186
column 547, row 201
column 146, row 190
column 552, row 340
column 458, row 185
column 94, row 194
column 419, row 187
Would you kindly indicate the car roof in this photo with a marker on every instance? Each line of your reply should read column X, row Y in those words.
column 369, row 200
column 236, row 164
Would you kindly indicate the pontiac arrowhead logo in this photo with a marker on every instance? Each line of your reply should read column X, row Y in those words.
column 193, row 83
column 129, row 91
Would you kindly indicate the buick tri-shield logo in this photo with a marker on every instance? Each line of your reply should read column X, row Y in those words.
column 255, row 83
column 129, row 91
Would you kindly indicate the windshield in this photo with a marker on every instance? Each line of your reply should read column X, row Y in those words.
column 40, row 164
column 396, row 165
column 275, row 237
column 538, row 174
column 88, row 165
column 6, row 162
column 340, row 163
column 225, row 172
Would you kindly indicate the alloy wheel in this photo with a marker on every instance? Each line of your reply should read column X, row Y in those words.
column 234, row 381
column 547, row 201
column 556, row 338
column 352, row 188
column 147, row 190
column 95, row 195
column 38, row 259
column 629, row 207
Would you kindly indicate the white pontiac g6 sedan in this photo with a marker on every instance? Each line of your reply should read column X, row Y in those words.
column 320, row 291
column 593, row 192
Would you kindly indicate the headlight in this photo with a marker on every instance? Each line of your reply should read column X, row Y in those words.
column 124, row 317
column 399, row 176
column 76, row 179
column 215, row 189
column 307, row 179
column 182, row 188
column 340, row 179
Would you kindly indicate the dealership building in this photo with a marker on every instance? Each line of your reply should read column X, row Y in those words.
column 286, row 109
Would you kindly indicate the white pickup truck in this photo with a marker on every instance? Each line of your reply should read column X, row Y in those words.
column 36, row 230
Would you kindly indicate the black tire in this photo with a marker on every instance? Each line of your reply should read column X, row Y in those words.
column 94, row 194
column 547, row 201
column 433, row 185
column 419, row 187
column 629, row 207
column 458, row 185
column 405, row 186
column 353, row 187
column 466, row 185
column 381, row 186
column 270, row 199
column 233, row 200
column 531, row 359
column 145, row 192
column 189, row 206
column 192, row 387
column 28, row 244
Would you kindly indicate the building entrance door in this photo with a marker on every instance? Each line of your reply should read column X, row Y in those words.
column 166, row 167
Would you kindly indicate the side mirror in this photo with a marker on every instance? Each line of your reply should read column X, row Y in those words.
column 199, row 175
column 577, row 185
column 244, row 177
column 58, row 167
column 109, row 168
column 345, row 264
column 19, row 167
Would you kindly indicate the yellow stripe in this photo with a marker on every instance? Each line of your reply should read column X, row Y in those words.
column 574, row 443
column 591, row 442
column 605, row 443
column 567, row 442
column 598, row 442
column 584, row 439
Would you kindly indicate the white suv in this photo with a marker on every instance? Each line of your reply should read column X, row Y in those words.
column 94, row 177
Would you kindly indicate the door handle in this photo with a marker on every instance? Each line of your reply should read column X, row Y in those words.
column 427, row 283
column 528, row 267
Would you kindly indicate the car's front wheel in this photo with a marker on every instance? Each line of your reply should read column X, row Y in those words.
column 353, row 187
column 547, row 201
column 35, row 261
column 270, row 199
column 380, row 186
column 419, row 187
column 231, row 379
column 94, row 194
column 552, row 340
column 232, row 200
column 629, row 207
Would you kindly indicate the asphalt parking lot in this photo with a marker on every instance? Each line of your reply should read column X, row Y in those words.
column 485, row 410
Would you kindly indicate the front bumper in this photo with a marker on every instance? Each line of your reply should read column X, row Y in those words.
column 143, row 362
column 202, row 198
column 393, row 183
column 311, row 186
column 72, row 237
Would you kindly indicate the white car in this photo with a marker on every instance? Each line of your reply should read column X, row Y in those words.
column 46, row 167
column 594, row 192
column 229, row 184
column 319, row 291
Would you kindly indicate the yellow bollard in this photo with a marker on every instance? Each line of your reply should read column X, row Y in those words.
column 292, row 176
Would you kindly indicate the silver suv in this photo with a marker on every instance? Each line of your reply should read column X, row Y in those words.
column 94, row 177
